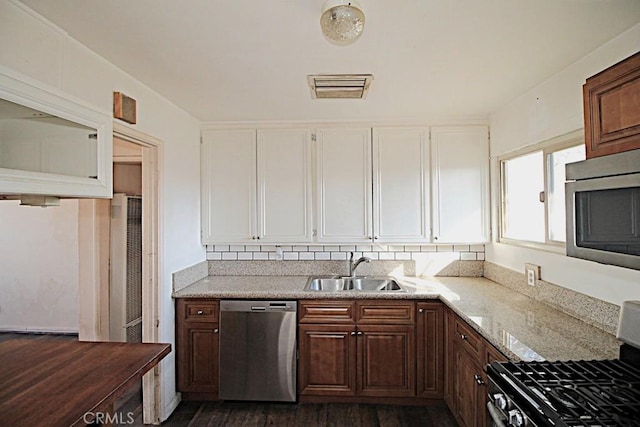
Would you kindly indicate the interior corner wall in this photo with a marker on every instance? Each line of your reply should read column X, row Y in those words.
column 33, row 46
column 551, row 109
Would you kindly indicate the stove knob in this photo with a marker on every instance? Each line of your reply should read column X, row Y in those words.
column 516, row 418
column 500, row 400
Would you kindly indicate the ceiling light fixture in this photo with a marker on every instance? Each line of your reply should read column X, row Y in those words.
column 342, row 22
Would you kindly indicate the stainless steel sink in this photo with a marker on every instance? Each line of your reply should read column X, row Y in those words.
column 333, row 284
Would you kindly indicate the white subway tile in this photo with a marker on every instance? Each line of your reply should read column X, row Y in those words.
column 480, row 256
column 307, row 256
column 323, row 256
column 300, row 248
column 236, row 248
column 396, row 248
column 332, row 248
column 268, row 248
column 468, row 256
column 476, row 248
column 348, row 248
column 222, row 248
column 402, row 256
column 445, row 248
column 363, row 248
column 380, row 248
column 272, row 256
column 386, row 256
column 252, row 248
column 286, row 248
column 290, row 256
column 373, row 255
column 337, row 256
column 316, row 248
column 461, row 248
column 260, row 256
column 412, row 248
column 245, row 256
column 229, row 256
column 214, row 256
column 428, row 248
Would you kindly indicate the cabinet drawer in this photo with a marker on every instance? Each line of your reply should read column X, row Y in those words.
column 465, row 336
column 198, row 310
column 326, row 312
column 385, row 312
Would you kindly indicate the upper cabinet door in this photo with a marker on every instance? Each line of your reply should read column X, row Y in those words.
column 460, row 184
column 51, row 144
column 229, row 186
column 284, row 185
column 344, row 185
column 401, row 185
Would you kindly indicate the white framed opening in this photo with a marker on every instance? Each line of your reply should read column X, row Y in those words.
column 94, row 253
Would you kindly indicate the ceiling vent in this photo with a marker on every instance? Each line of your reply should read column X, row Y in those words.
column 340, row 86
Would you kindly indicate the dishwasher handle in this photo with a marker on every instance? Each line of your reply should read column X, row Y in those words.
column 257, row 306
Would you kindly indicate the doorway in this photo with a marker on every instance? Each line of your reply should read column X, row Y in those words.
column 94, row 257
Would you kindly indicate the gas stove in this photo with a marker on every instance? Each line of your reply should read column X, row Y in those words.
column 599, row 393
column 573, row 393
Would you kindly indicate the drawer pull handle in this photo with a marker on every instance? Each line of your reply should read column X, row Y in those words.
column 200, row 312
column 360, row 333
column 353, row 334
column 463, row 336
column 421, row 310
column 478, row 379
column 215, row 331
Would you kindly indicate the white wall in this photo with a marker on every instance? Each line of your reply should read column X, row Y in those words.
column 551, row 109
column 39, row 273
column 33, row 46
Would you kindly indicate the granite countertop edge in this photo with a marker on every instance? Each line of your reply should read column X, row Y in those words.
column 518, row 326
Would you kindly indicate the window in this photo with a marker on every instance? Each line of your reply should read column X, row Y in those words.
column 532, row 191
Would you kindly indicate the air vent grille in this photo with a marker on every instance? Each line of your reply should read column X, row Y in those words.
column 339, row 86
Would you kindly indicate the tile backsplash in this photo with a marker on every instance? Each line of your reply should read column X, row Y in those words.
column 442, row 260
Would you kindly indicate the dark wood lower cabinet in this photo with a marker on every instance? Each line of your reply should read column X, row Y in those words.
column 430, row 350
column 465, row 371
column 197, row 348
column 369, row 353
column 327, row 360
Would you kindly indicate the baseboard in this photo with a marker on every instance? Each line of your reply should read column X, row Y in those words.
column 170, row 407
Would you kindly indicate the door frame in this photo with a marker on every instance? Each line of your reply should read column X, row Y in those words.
column 93, row 254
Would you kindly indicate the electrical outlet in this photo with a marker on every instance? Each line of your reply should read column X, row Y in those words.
column 532, row 272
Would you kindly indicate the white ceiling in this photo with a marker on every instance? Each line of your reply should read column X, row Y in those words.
column 226, row 60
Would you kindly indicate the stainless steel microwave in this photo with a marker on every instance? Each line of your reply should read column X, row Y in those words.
column 603, row 209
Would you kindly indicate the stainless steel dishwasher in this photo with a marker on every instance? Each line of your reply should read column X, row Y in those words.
column 258, row 350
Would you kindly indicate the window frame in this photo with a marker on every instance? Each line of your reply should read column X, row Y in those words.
column 572, row 139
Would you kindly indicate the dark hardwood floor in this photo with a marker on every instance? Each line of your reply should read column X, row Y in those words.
column 243, row 414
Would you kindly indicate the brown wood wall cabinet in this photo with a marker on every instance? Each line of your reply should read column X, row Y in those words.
column 612, row 109
column 465, row 371
column 197, row 348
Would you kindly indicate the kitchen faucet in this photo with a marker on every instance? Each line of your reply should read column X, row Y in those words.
column 354, row 265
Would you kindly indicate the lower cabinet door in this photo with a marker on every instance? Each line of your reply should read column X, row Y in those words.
column 468, row 393
column 386, row 360
column 327, row 360
column 198, row 358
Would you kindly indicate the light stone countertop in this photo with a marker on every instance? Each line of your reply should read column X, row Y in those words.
column 519, row 326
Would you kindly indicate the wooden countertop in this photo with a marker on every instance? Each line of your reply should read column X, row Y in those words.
column 55, row 383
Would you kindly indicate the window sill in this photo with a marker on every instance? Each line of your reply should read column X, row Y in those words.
column 557, row 248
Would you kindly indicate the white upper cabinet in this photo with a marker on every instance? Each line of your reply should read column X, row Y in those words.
column 229, row 186
column 460, row 184
column 372, row 191
column 284, row 185
column 256, row 186
column 51, row 144
column 401, row 184
column 344, row 191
